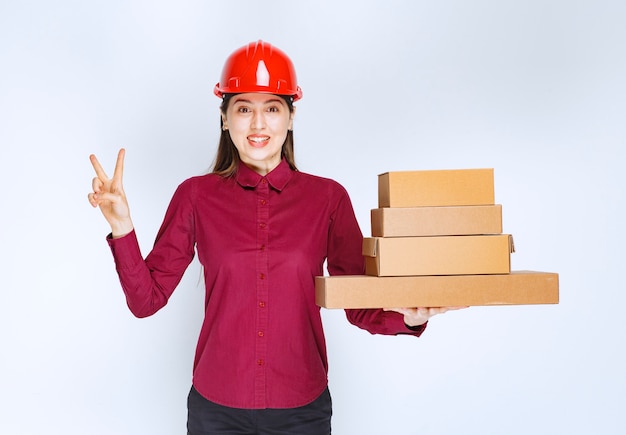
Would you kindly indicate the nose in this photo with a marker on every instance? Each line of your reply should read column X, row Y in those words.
column 258, row 120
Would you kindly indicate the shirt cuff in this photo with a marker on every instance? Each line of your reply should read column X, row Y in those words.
column 125, row 250
column 395, row 324
column 416, row 327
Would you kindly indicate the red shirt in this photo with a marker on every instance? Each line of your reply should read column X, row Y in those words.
column 261, row 241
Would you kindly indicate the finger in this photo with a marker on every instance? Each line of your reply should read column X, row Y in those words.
column 403, row 311
column 98, row 167
column 101, row 197
column 444, row 309
column 119, row 166
column 96, row 198
column 96, row 184
column 391, row 309
column 92, row 200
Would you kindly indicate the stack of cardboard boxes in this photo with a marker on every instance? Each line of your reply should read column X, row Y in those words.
column 437, row 241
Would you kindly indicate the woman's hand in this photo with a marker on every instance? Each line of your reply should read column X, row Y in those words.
column 108, row 194
column 419, row 316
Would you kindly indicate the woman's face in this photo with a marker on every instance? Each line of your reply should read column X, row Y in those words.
column 258, row 125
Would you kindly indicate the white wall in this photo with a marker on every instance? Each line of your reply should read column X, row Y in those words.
column 534, row 89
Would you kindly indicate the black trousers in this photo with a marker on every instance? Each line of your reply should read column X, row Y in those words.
column 208, row 418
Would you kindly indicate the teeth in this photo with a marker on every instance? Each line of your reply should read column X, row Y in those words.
column 259, row 139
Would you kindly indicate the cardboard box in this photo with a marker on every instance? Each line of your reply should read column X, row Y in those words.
column 439, row 255
column 516, row 288
column 436, row 188
column 436, row 221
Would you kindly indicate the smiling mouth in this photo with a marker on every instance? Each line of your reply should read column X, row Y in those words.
column 258, row 140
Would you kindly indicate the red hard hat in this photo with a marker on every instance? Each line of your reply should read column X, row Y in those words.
column 258, row 67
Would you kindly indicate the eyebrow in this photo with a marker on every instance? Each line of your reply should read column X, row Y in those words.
column 271, row 100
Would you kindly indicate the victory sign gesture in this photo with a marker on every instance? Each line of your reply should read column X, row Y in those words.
column 108, row 194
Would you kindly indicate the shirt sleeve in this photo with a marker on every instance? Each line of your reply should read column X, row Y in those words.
column 345, row 257
column 149, row 283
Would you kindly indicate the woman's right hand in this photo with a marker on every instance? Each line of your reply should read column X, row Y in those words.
column 108, row 194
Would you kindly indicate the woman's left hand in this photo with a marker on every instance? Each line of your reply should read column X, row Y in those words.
column 420, row 315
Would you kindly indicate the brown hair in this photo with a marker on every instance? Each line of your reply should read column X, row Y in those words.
column 227, row 157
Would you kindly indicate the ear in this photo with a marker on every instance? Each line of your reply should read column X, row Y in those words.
column 224, row 123
column 291, row 116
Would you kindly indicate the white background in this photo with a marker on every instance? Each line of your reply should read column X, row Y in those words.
column 534, row 89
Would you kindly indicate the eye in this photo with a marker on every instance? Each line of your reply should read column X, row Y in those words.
column 243, row 109
column 273, row 109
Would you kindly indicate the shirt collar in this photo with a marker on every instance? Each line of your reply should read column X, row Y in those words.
column 278, row 177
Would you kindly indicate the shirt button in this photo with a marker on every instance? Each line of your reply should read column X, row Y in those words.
column 262, row 276
column 262, row 248
column 260, row 362
column 263, row 202
column 262, row 304
column 263, row 181
column 261, row 334
column 262, row 225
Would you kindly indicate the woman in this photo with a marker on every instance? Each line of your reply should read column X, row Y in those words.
column 262, row 231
